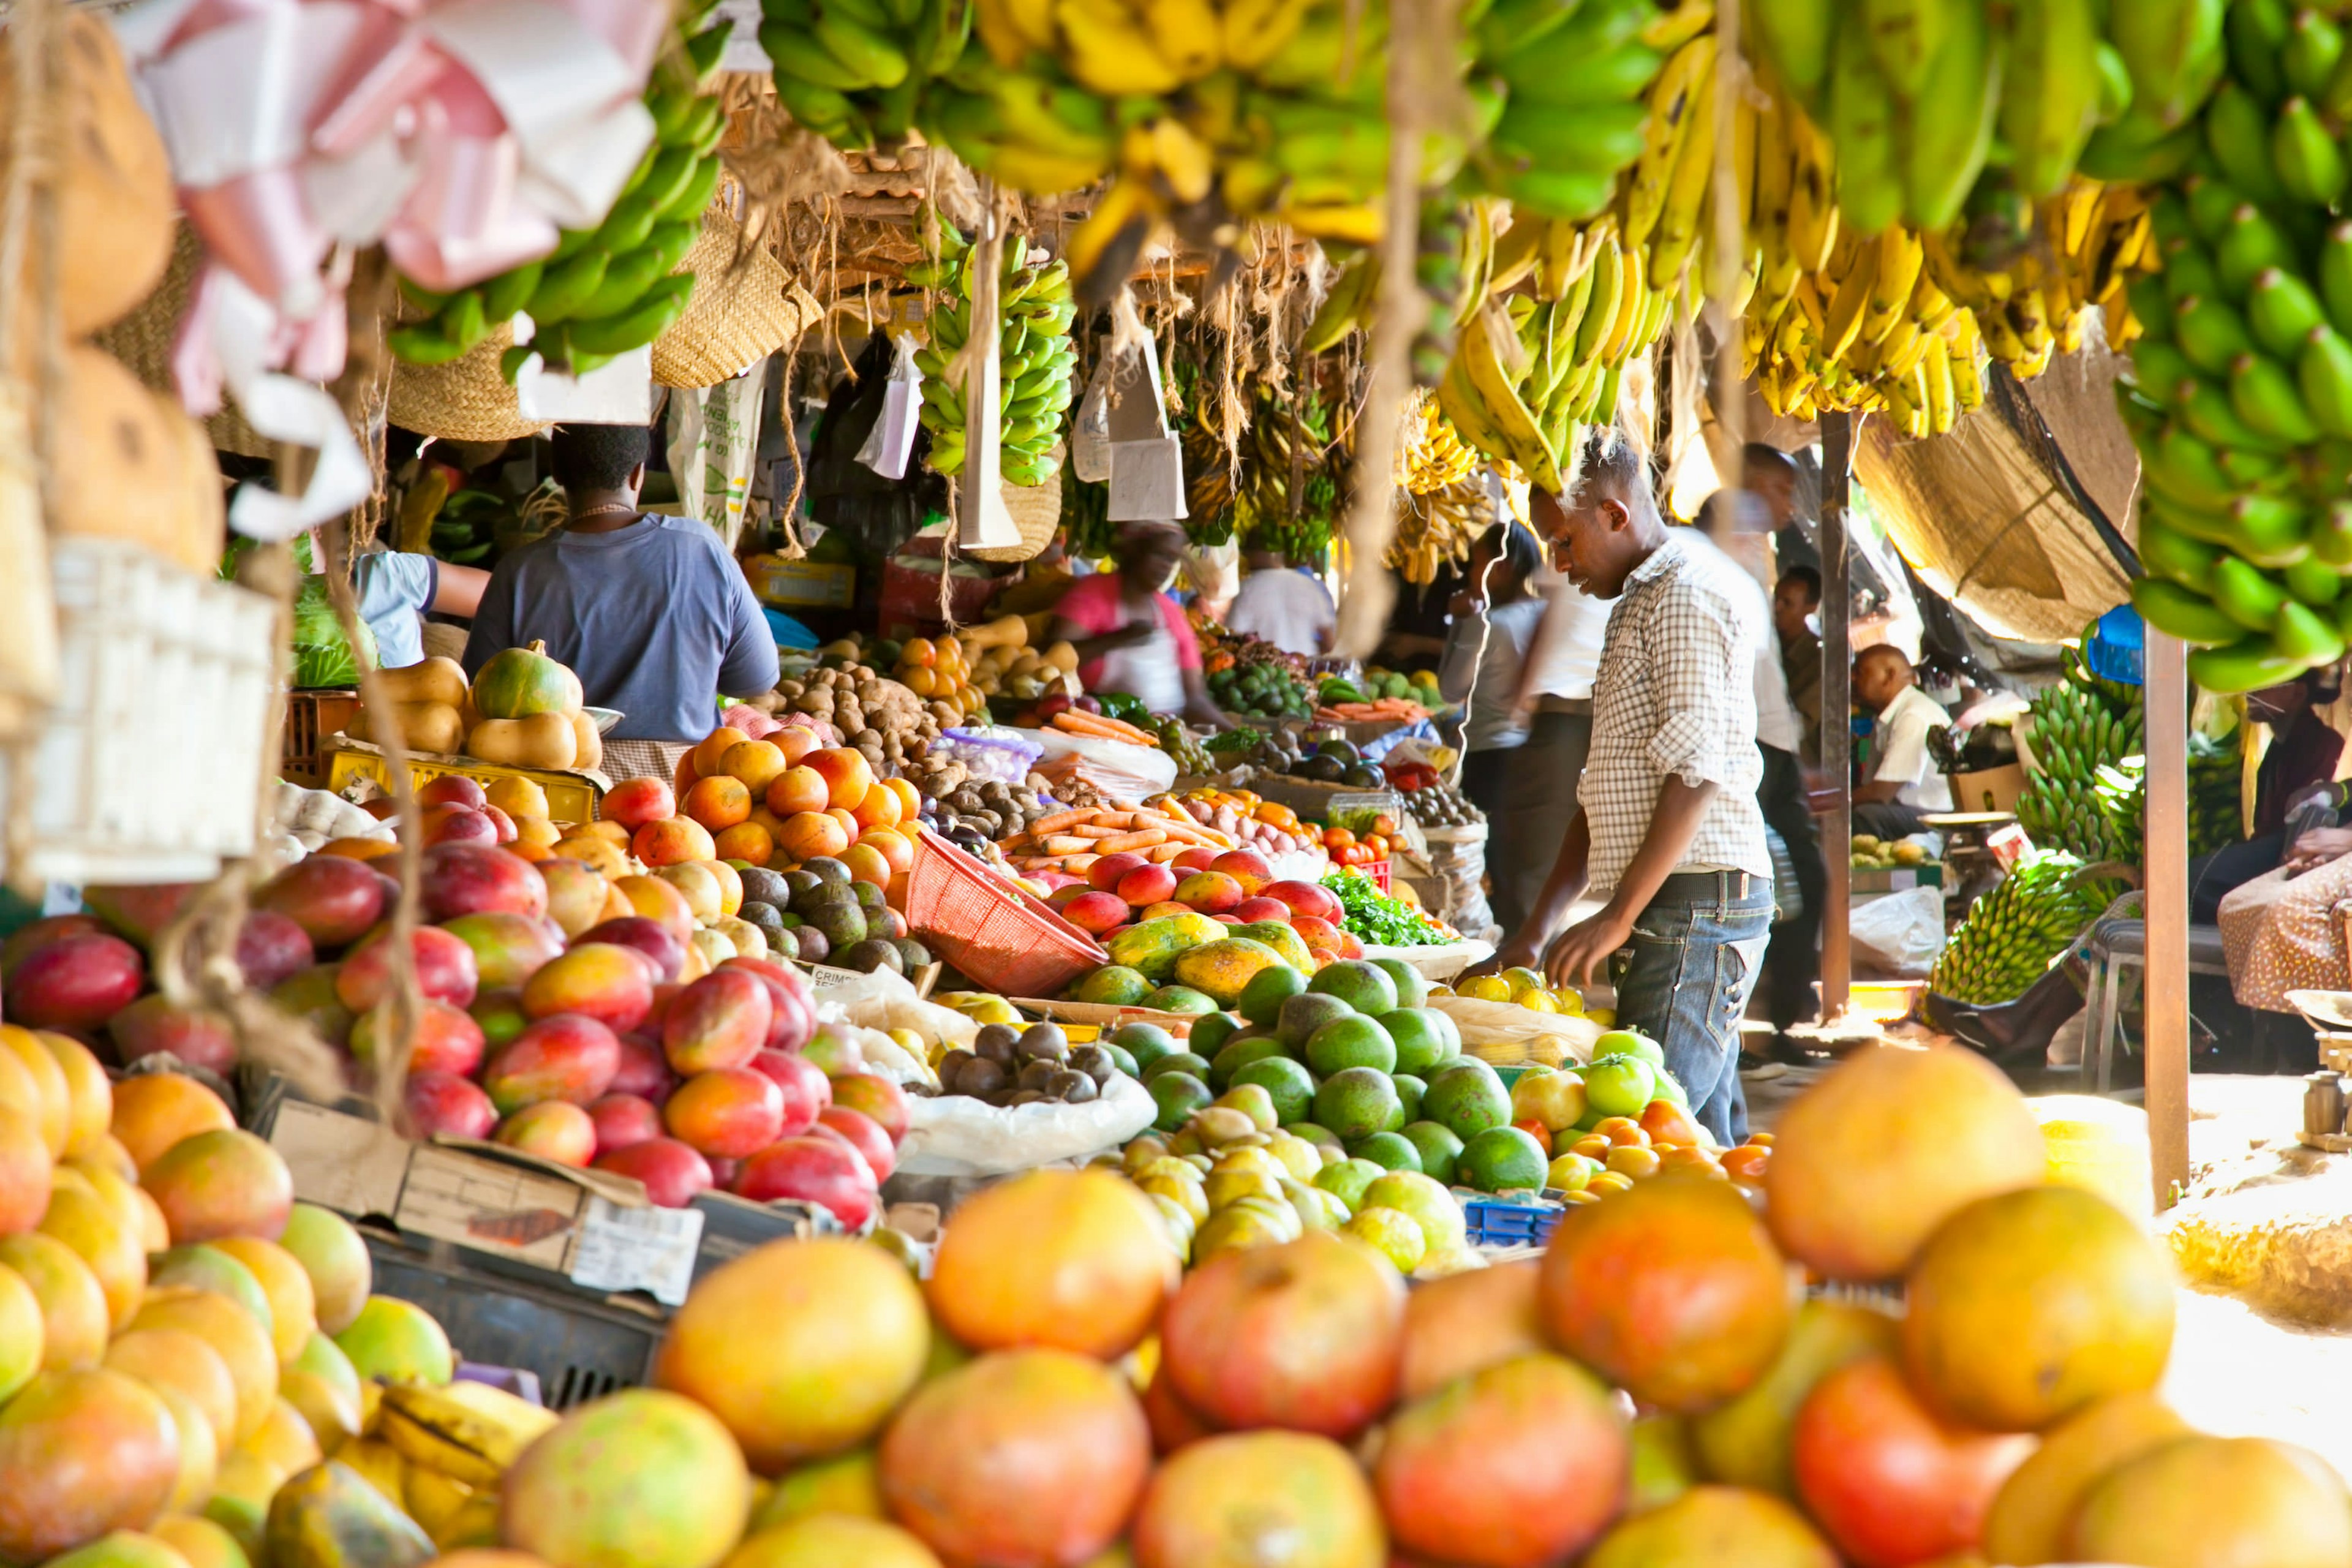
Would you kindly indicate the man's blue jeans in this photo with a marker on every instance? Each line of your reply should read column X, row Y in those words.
column 1696, row 949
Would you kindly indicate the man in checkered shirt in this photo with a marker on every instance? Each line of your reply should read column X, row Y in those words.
column 1667, row 825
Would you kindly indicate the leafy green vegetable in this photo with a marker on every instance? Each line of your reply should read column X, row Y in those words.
column 1372, row 916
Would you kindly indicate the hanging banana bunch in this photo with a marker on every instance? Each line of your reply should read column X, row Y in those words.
column 604, row 291
column 1438, row 526
column 856, row 71
column 1034, row 349
column 1430, row 455
column 1289, row 493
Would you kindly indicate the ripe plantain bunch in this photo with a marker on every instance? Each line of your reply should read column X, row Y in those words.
column 606, row 290
column 439, row 1454
column 2242, row 401
column 856, row 71
column 1430, row 455
column 1034, row 349
column 1438, row 526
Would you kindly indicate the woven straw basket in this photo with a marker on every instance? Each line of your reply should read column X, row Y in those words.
column 1036, row 511
column 143, row 340
column 745, row 307
column 464, row 400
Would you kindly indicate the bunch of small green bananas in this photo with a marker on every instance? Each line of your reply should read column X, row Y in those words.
column 1034, row 353
column 2240, row 401
column 605, row 291
column 2076, row 731
column 1918, row 95
column 1268, row 513
column 2011, row 934
column 2216, row 769
column 856, row 71
column 1431, row 455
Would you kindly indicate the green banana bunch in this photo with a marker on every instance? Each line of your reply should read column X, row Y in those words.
column 860, row 73
column 1035, row 352
column 2078, row 733
column 2013, row 934
column 1584, row 98
column 2216, row 817
column 2240, row 396
column 605, row 292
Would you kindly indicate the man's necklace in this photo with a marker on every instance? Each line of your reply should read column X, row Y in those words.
column 601, row 510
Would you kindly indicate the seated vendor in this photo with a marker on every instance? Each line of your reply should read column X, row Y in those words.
column 2283, row 929
column 1905, row 780
column 2296, row 780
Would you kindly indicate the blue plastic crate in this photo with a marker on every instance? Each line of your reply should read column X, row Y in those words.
column 1510, row 1221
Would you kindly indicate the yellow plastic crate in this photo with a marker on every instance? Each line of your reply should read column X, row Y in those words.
column 571, row 797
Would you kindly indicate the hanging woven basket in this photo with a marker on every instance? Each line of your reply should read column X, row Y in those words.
column 745, row 307
column 143, row 340
column 1036, row 511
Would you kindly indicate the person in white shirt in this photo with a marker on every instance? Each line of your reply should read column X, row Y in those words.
column 1283, row 605
column 1905, row 780
column 1792, row 963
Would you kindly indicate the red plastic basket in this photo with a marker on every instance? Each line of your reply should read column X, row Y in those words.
column 1380, row 871
column 991, row 929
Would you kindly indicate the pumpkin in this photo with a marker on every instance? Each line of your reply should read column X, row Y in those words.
column 423, row 727
column 435, row 680
column 588, row 746
column 541, row 741
column 115, row 206
column 520, row 682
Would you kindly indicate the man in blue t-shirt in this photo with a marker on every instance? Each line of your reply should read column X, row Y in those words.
column 650, row 611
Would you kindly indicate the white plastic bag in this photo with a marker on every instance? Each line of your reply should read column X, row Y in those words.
column 1091, row 431
column 1903, row 931
column 893, row 435
column 956, row 1135
column 1128, row 772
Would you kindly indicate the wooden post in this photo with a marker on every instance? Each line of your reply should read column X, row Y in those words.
column 1837, row 703
column 2166, row 997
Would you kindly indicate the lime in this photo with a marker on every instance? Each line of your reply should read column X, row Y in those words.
column 1356, row 1102
column 1466, row 1101
column 1392, row 1234
column 1354, row 1041
column 1410, row 1090
column 1263, row 997
column 1178, row 1094
column 1501, row 1159
column 1359, row 982
column 1347, row 1179
column 1290, row 1086
column 1210, row 1031
column 1238, row 1054
column 1412, row 986
column 1438, row 1148
column 1113, row 985
column 1388, row 1150
column 1146, row 1042
column 1423, row 1037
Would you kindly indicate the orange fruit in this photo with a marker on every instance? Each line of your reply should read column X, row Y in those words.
column 809, row 834
column 796, row 741
column 917, row 653
column 798, row 789
column 878, row 809
column 755, row 762
column 717, row 802
column 750, row 841
column 850, row 830
column 866, row 865
column 674, row 842
column 708, row 755
column 911, row 803
column 847, row 774
column 893, row 848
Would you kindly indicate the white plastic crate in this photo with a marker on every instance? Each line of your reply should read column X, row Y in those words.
column 149, row 767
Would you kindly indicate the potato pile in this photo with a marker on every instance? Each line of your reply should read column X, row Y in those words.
column 969, row 811
column 877, row 715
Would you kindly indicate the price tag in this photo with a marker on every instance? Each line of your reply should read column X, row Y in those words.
column 623, row 1249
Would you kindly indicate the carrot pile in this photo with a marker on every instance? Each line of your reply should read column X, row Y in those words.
column 1386, row 708
column 1070, row 841
column 1102, row 727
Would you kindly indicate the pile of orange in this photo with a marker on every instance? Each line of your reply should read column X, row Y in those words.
column 789, row 798
column 939, row 671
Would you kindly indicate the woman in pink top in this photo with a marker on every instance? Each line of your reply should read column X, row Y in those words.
column 1132, row 637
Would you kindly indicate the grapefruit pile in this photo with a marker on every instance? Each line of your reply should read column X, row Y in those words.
column 180, row 1342
column 1655, row 1392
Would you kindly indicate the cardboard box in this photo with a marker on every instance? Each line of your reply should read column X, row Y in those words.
column 1989, row 789
column 1895, row 879
column 802, row 584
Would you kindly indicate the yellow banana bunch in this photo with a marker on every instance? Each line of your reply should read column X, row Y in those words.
column 1438, row 526
column 467, row 1431
column 1432, row 455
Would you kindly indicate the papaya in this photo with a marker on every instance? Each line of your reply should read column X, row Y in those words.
column 522, row 682
column 1288, row 944
column 1220, row 970
column 1152, row 948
